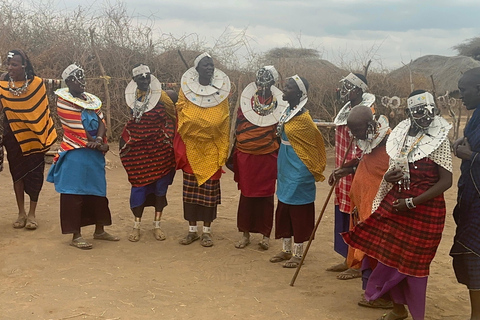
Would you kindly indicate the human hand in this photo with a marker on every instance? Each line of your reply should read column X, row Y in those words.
column 463, row 150
column 399, row 205
column 342, row 172
column 331, row 179
column 104, row 147
column 393, row 175
column 92, row 145
column 456, row 144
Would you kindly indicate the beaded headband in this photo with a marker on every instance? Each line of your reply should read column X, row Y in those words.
column 141, row 70
column 356, row 81
column 425, row 98
column 301, row 86
column 70, row 70
column 200, row 57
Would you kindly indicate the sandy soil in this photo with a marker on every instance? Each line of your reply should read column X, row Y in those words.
column 42, row 277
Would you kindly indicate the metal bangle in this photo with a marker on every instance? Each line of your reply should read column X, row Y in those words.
column 409, row 203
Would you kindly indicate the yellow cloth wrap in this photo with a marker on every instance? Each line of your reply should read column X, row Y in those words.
column 205, row 132
column 168, row 104
column 29, row 116
column 307, row 141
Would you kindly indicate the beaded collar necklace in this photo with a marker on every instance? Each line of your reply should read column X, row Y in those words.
column 17, row 91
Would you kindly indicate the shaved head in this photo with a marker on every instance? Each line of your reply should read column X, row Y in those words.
column 469, row 87
column 358, row 120
column 360, row 114
column 473, row 75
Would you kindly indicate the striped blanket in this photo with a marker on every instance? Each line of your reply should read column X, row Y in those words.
column 253, row 139
column 70, row 114
column 29, row 117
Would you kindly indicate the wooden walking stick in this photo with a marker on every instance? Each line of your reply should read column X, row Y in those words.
column 292, row 282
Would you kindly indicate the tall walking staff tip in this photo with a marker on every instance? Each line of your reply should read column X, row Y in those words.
column 292, row 282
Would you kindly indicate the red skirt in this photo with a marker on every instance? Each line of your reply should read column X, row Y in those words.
column 255, row 214
column 297, row 221
column 255, row 173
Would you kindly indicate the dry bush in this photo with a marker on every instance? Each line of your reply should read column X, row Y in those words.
column 55, row 39
column 322, row 76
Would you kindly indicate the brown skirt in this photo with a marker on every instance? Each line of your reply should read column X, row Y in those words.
column 297, row 221
column 78, row 211
column 255, row 214
column 27, row 168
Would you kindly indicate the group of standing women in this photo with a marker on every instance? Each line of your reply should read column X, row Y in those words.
column 276, row 141
column 400, row 234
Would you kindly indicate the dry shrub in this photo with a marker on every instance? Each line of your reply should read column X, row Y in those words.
column 55, row 39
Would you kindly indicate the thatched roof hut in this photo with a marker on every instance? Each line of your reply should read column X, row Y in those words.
column 446, row 71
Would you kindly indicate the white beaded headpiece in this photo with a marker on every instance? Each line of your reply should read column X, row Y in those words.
column 422, row 99
column 200, row 57
column 141, row 70
column 356, row 81
column 70, row 70
column 301, row 86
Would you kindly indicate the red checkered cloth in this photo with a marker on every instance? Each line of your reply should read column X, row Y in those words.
column 342, row 189
column 207, row 195
column 405, row 240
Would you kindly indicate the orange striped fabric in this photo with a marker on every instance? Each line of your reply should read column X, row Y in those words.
column 253, row 139
column 74, row 135
column 28, row 116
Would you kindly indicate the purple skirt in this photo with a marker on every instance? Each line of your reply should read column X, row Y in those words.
column 388, row 283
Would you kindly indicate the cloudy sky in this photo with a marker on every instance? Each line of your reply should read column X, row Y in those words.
column 388, row 31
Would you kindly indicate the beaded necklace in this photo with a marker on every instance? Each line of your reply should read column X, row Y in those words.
column 139, row 106
column 263, row 109
column 17, row 91
column 283, row 119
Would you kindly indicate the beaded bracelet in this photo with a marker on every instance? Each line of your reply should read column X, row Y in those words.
column 409, row 203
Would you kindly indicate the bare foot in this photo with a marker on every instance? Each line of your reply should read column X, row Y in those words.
column 134, row 236
column 159, row 234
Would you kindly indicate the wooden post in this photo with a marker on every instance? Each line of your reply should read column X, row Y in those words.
column 233, row 117
column 106, row 79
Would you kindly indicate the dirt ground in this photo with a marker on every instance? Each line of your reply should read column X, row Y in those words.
column 42, row 277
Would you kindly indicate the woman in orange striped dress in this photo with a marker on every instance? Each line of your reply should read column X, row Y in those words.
column 255, row 155
column 29, row 132
column 78, row 171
